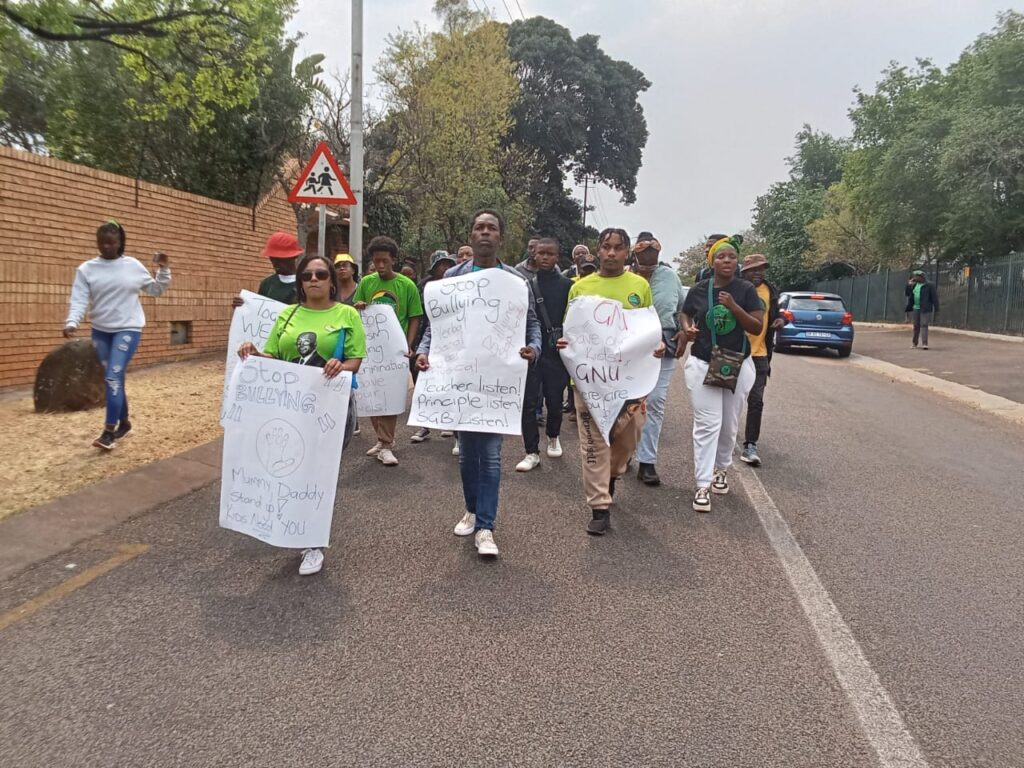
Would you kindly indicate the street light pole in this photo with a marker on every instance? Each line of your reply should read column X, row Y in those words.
column 355, row 226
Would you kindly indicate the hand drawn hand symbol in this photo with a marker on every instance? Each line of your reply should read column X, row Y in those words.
column 277, row 443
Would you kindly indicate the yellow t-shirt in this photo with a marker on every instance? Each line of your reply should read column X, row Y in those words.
column 758, row 346
column 629, row 289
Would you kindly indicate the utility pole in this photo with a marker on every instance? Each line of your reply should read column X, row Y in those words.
column 355, row 226
column 586, row 180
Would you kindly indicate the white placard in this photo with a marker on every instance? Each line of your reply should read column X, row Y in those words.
column 282, row 447
column 253, row 322
column 610, row 355
column 384, row 374
column 476, row 378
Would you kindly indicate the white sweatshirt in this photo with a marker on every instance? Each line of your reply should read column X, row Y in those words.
column 112, row 287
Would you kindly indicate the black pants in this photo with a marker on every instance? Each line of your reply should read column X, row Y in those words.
column 546, row 379
column 755, row 400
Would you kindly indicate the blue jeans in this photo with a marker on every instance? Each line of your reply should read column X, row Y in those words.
column 115, row 351
column 647, row 448
column 480, row 466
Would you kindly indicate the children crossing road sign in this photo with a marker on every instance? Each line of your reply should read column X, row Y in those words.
column 322, row 181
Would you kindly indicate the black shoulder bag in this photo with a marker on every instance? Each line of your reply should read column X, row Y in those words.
column 551, row 333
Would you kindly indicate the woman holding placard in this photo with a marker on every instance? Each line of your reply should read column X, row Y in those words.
column 317, row 331
column 718, row 313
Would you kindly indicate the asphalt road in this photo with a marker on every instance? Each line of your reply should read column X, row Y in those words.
column 676, row 640
column 987, row 364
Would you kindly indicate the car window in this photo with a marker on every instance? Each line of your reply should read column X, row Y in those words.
column 817, row 305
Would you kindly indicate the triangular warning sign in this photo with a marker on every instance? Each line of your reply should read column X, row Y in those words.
column 322, row 181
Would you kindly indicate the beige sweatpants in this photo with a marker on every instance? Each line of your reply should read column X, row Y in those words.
column 602, row 462
column 384, row 428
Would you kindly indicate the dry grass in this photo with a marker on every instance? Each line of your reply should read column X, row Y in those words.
column 174, row 407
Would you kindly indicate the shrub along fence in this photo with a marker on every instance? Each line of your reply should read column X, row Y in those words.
column 981, row 297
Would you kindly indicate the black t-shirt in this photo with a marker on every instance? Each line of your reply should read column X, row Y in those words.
column 730, row 333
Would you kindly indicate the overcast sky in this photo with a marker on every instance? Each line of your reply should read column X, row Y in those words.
column 732, row 82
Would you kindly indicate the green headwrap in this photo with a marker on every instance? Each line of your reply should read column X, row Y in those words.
column 733, row 242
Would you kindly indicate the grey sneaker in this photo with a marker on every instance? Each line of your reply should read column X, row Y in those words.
column 420, row 435
column 750, row 455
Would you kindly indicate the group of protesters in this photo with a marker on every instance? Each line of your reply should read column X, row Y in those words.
column 725, row 321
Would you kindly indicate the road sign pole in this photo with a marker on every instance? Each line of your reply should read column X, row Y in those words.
column 355, row 226
column 321, row 234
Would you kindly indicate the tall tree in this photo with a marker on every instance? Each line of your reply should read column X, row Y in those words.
column 449, row 97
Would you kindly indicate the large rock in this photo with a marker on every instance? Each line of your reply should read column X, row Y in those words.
column 70, row 378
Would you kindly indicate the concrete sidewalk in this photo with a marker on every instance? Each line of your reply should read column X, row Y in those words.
column 989, row 365
column 39, row 533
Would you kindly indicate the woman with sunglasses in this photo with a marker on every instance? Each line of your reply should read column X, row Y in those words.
column 718, row 312
column 307, row 334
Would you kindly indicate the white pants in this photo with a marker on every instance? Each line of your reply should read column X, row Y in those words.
column 716, row 417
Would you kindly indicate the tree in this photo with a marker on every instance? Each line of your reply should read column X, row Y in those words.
column 579, row 108
column 194, row 55
column 839, row 236
column 578, row 113
column 782, row 214
column 449, row 99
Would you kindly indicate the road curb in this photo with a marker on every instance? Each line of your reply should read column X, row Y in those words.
column 943, row 329
column 39, row 533
column 983, row 401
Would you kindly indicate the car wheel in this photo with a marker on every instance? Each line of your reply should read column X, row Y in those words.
column 844, row 351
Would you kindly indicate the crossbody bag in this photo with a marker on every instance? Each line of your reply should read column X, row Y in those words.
column 724, row 365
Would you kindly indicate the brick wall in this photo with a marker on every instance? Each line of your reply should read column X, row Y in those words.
column 49, row 211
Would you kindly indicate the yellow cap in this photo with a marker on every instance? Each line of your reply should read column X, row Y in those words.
column 344, row 257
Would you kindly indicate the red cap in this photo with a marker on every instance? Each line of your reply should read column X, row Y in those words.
column 282, row 245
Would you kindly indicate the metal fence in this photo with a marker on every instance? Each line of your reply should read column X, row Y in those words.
column 981, row 297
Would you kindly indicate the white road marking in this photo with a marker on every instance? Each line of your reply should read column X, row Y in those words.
column 880, row 720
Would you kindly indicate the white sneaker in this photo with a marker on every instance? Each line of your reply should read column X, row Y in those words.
column 466, row 525
column 485, row 543
column 446, row 433
column 376, row 449
column 554, row 448
column 387, row 458
column 312, row 562
column 455, row 448
column 532, row 461
column 720, row 482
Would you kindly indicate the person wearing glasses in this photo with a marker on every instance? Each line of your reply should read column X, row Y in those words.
column 307, row 333
column 667, row 293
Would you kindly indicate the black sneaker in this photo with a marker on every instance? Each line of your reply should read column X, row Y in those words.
column 648, row 474
column 599, row 524
column 105, row 441
column 123, row 430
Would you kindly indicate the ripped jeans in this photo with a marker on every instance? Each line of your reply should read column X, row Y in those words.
column 115, row 351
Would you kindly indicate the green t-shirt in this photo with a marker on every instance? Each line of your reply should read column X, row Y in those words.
column 629, row 289
column 917, row 295
column 274, row 288
column 316, row 332
column 399, row 292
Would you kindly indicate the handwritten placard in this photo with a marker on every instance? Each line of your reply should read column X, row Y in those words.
column 476, row 378
column 610, row 355
column 253, row 322
column 384, row 374
column 282, row 447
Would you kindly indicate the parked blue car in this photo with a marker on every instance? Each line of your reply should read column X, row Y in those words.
column 814, row 320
